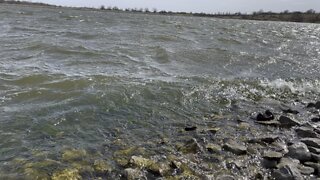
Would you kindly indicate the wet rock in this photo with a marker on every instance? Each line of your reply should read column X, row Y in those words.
column 225, row 177
column 299, row 151
column 314, row 150
column 213, row 148
column 272, row 155
column 235, row 148
column 267, row 116
column 315, row 157
column 288, row 110
column 312, row 142
column 190, row 128
column 305, row 170
column 70, row 174
column 305, row 132
column 315, row 119
column 315, row 166
column 101, row 166
column 191, row 146
column 288, row 122
column 213, row 130
column 133, row 174
column 265, row 139
column 73, row 154
column 287, row 169
column 269, row 123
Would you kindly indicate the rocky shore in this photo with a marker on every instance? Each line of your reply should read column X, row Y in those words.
column 279, row 144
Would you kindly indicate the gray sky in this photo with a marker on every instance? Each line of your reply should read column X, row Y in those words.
column 208, row 6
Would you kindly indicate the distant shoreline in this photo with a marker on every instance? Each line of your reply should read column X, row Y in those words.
column 309, row 16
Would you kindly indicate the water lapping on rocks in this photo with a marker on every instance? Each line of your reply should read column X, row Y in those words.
column 87, row 94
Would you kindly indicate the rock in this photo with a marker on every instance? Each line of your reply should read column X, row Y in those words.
column 191, row 146
column 311, row 105
column 317, row 105
column 244, row 125
column 267, row 116
column 213, row 148
column 133, row 174
column 313, row 142
column 265, row 139
column 287, row 169
column 73, row 154
column 315, row 157
column 314, row 150
column 70, row 174
column 269, row 123
column 288, row 122
column 299, row 151
column 235, row 148
column 315, row 119
column 141, row 162
column 305, row 132
column 101, row 166
column 272, row 155
column 225, row 177
column 190, row 128
column 305, row 170
column 269, row 164
column 288, row 110
column 213, row 130
column 315, row 166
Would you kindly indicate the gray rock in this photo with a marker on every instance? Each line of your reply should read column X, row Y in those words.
column 299, row 151
column 269, row 164
column 225, row 177
column 272, row 155
column 313, row 142
column 213, row 148
column 132, row 174
column 191, row 146
column 270, row 123
column 314, row 150
column 315, row 157
column 235, row 148
column 305, row 170
column 315, row 166
column 266, row 139
column 287, row 170
column 288, row 121
column 305, row 132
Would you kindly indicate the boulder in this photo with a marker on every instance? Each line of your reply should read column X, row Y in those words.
column 288, row 122
column 311, row 142
column 306, row 132
column 235, row 148
column 305, row 170
column 314, row 150
column 315, row 119
column 287, row 170
column 315, row 166
column 272, row 155
column 299, row 151
column 267, row 116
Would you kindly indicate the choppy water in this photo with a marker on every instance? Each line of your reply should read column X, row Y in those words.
column 83, row 79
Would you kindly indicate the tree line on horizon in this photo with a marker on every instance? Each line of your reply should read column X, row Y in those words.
column 296, row 16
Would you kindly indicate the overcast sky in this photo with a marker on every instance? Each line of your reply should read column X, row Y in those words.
column 208, row 6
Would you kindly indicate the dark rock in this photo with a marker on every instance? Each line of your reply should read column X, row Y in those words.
column 267, row 116
column 311, row 105
column 289, row 111
column 299, row 151
column 315, row 119
column 269, row 123
column 235, row 148
column 315, row 157
column 191, row 146
column 313, row 142
column 317, row 105
column 306, row 132
column 190, row 128
column 315, row 166
column 305, row 170
column 314, row 150
column 269, row 164
column 288, row 122
column 272, row 155
column 287, row 170
column 266, row 139
column 213, row 130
